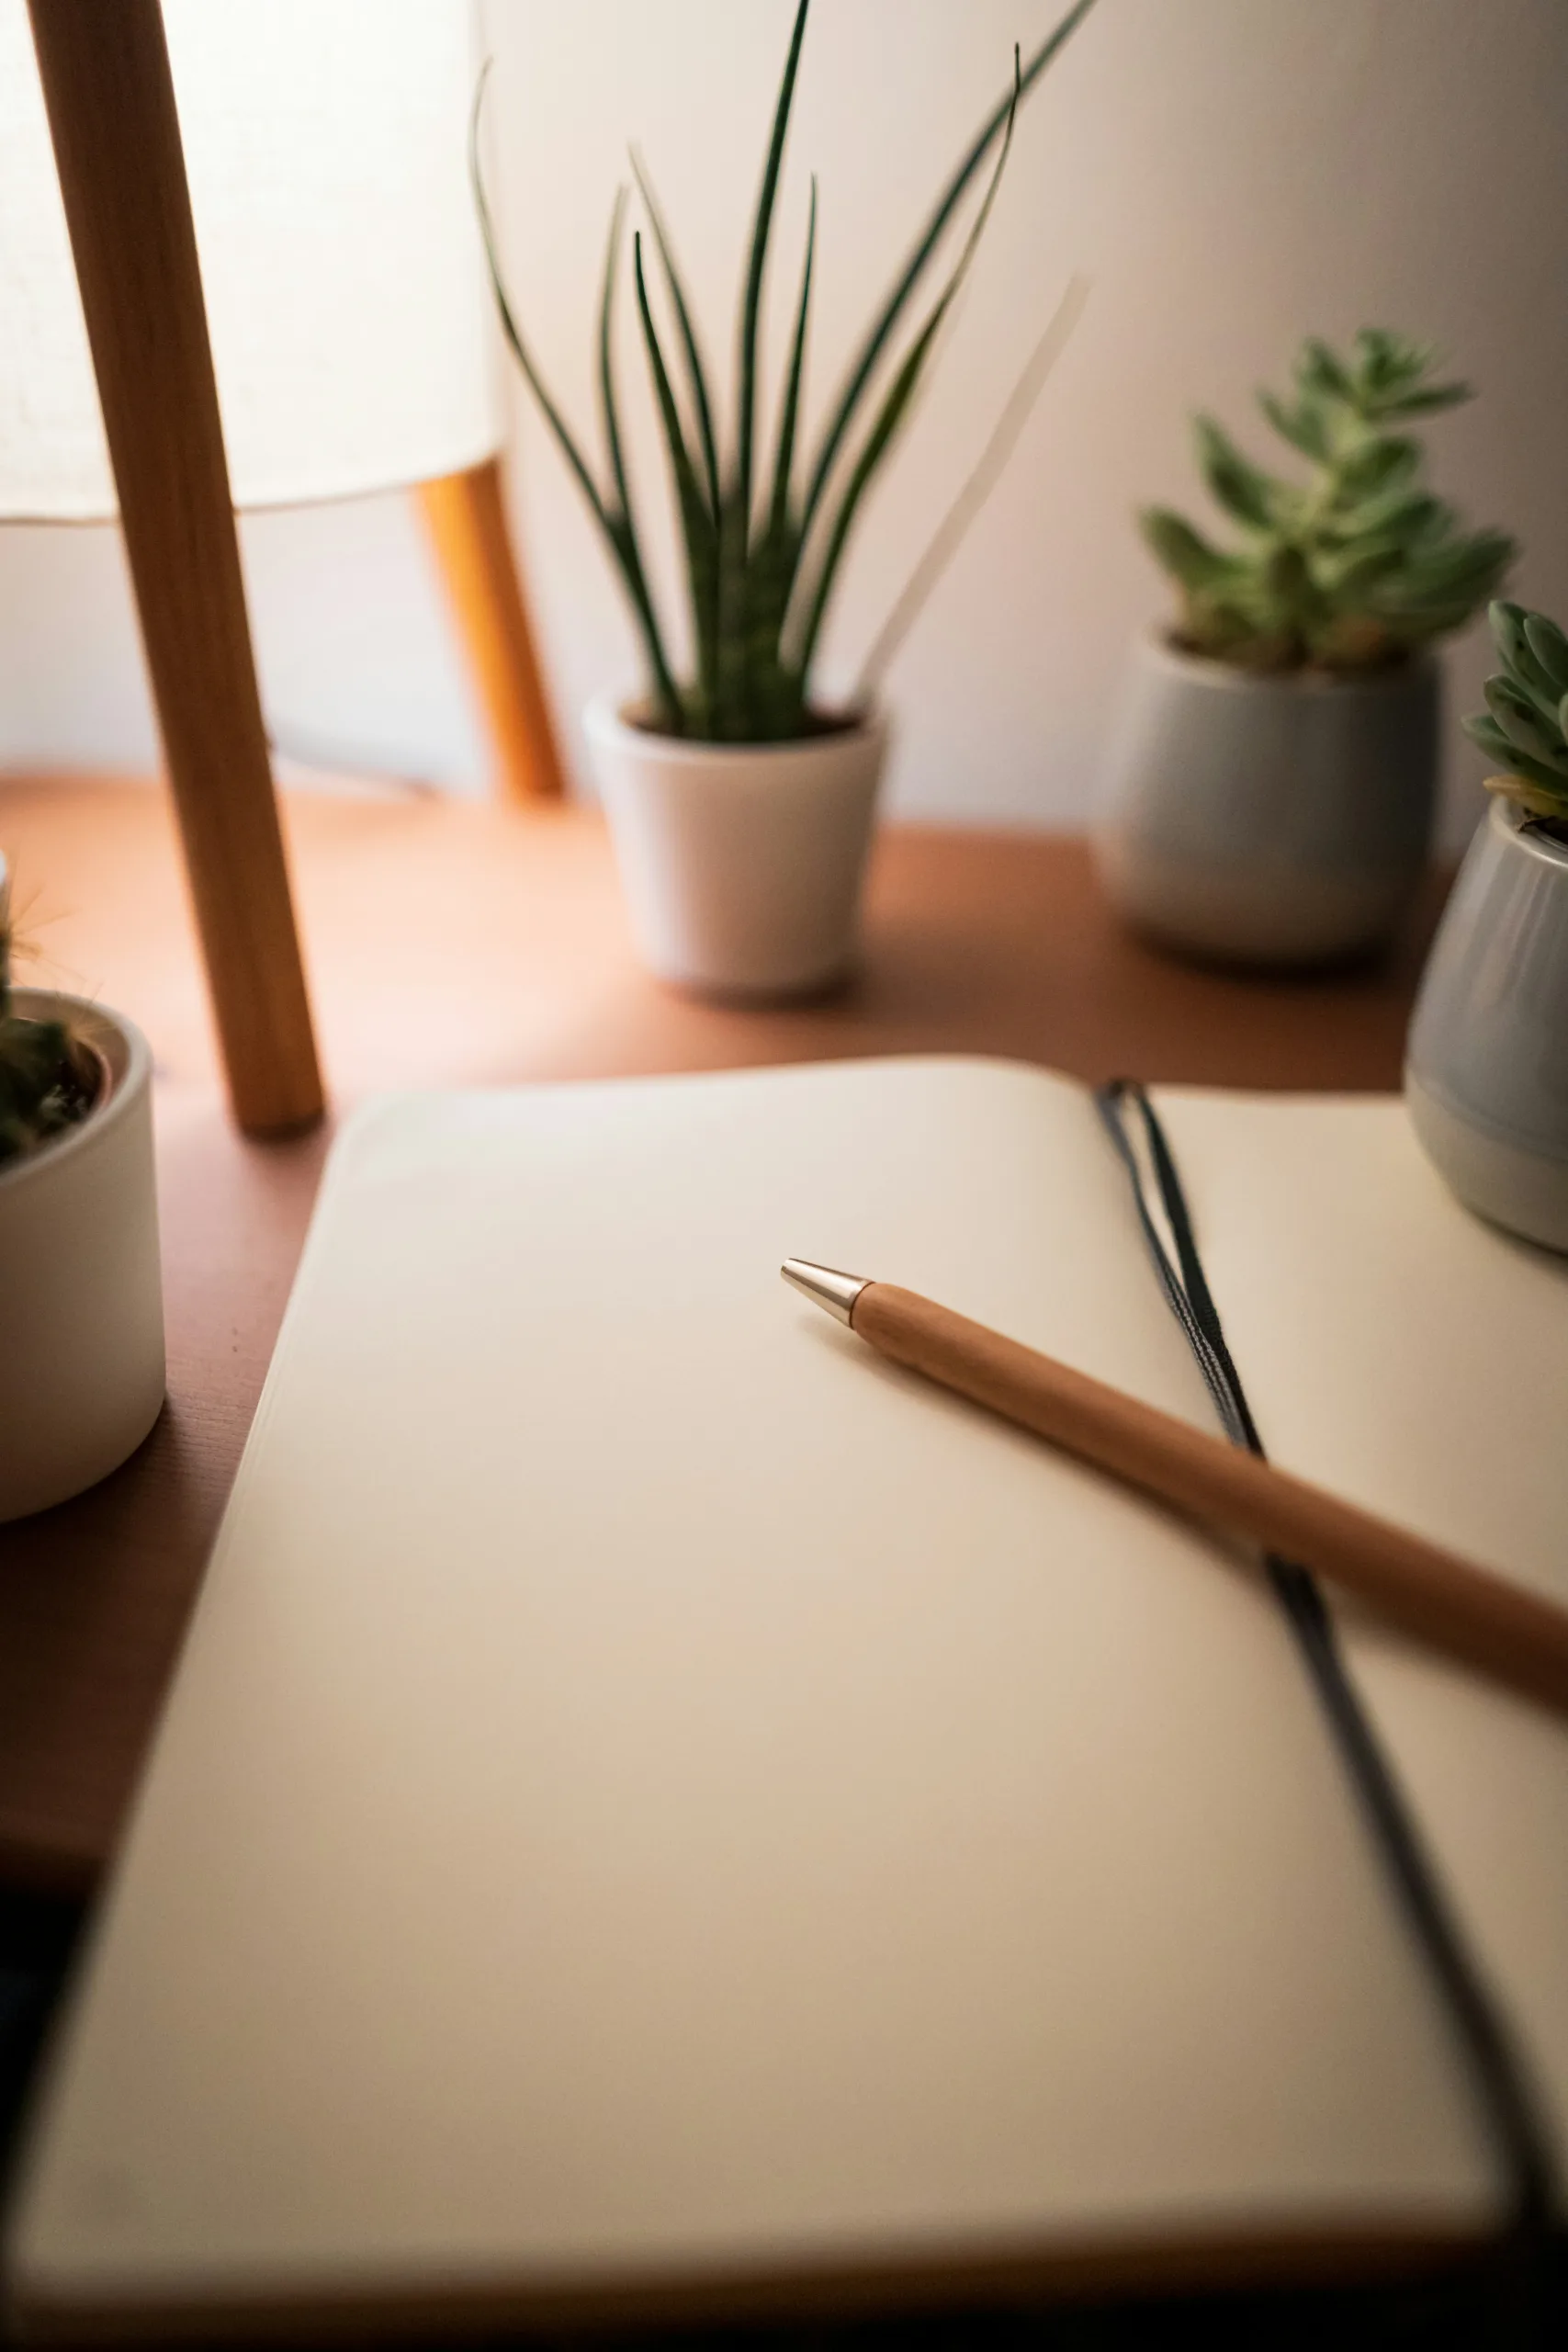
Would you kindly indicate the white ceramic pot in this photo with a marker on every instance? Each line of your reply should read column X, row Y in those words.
column 81, row 1301
column 1267, row 820
column 741, row 861
column 1487, row 1073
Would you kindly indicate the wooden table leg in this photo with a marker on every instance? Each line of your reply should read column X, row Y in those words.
column 117, row 146
column 466, row 516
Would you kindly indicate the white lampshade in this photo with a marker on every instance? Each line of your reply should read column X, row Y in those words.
column 325, row 145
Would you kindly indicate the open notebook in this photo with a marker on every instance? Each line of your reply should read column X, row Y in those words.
column 659, row 1807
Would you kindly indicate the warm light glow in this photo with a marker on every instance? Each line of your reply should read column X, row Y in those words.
column 325, row 148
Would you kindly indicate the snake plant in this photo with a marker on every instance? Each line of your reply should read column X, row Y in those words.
column 1358, row 565
column 44, row 1086
column 762, row 543
column 1525, row 727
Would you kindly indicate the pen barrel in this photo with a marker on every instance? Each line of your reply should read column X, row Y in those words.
column 1466, row 1611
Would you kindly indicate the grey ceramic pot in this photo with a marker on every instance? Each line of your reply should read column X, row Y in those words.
column 1270, row 820
column 1486, row 1074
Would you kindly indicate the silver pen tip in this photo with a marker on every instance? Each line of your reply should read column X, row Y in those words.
column 825, row 1286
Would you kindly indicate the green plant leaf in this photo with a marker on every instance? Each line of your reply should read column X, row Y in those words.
column 756, row 267
column 510, row 329
column 1387, row 365
column 1285, row 580
column 1509, row 634
column 775, row 689
column 1244, row 489
column 1426, row 401
column 871, row 350
column 1185, row 553
column 698, row 527
column 1550, row 647
column 1488, row 737
column 1485, row 733
column 1389, row 379
column 1410, row 520
column 783, row 456
column 1384, row 464
column 896, row 406
column 1520, row 721
column 731, row 710
column 1424, row 624
column 1305, row 426
column 1463, row 572
column 1508, row 623
column 1347, row 575
column 1384, row 357
column 1319, row 370
column 623, row 521
column 773, row 693
column 1501, row 616
column 617, row 525
column 695, row 373
column 608, row 406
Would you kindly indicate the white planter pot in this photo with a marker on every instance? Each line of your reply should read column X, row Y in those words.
column 1267, row 820
column 81, row 1301
column 1487, row 1073
column 741, row 861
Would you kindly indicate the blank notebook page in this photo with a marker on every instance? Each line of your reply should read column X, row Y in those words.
column 654, row 1793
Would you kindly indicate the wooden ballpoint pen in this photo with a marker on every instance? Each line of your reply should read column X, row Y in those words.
column 1445, row 1601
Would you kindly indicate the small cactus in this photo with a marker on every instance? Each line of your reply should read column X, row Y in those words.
column 1525, row 726
column 47, row 1081
column 1358, row 565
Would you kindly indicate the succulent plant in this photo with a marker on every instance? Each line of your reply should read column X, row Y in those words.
column 761, row 548
column 1353, row 567
column 46, row 1085
column 1526, row 722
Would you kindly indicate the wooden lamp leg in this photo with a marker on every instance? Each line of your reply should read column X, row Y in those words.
column 116, row 147
column 466, row 516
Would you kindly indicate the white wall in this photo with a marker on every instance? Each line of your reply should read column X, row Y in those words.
column 1229, row 173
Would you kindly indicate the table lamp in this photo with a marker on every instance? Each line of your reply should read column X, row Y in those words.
column 320, row 290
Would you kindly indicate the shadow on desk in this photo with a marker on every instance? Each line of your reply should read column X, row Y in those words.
column 97, row 1623
column 1472, row 2309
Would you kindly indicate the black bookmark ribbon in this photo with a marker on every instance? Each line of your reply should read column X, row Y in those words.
column 1497, row 2071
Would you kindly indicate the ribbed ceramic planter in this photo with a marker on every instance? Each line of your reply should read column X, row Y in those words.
column 1486, row 1074
column 1270, row 820
column 741, row 863
column 81, row 1303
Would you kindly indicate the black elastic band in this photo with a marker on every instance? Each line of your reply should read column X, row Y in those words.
column 1496, row 2070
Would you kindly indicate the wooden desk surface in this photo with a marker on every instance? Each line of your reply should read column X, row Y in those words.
column 455, row 944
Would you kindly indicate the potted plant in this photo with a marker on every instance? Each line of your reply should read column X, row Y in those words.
column 82, row 1367
column 740, row 805
column 1273, row 779
column 1486, row 1074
